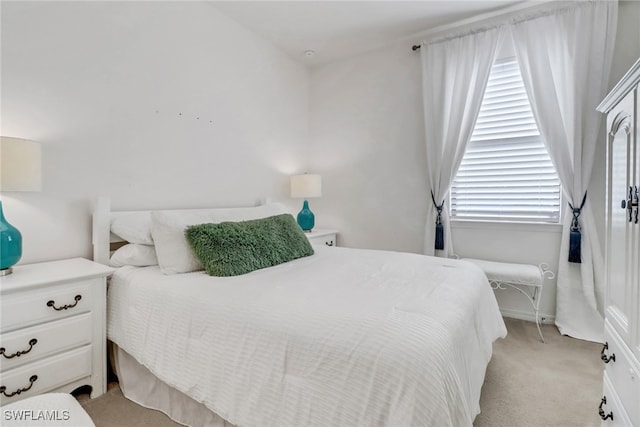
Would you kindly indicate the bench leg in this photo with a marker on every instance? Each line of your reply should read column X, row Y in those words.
column 538, row 325
column 538, row 297
column 533, row 297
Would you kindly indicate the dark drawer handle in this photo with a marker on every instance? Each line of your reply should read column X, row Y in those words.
column 330, row 243
column 32, row 342
column 601, row 411
column 51, row 303
column 632, row 203
column 32, row 380
column 605, row 346
column 604, row 357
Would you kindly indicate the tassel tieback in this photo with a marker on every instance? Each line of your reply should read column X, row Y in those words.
column 575, row 237
column 439, row 244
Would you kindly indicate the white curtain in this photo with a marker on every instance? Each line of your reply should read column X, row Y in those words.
column 565, row 58
column 454, row 76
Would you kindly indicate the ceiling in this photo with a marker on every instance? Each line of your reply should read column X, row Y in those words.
column 339, row 29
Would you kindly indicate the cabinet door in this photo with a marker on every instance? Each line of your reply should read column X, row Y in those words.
column 635, row 233
column 619, row 303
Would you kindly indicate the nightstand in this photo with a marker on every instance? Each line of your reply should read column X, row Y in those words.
column 320, row 236
column 52, row 328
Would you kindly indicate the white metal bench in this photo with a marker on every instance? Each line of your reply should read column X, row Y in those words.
column 525, row 278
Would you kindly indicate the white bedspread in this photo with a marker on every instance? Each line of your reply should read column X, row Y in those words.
column 345, row 337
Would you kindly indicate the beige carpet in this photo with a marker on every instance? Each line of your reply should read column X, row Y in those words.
column 528, row 384
column 531, row 384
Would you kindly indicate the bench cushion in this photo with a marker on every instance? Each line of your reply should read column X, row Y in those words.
column 508, row 272
column 49, row 409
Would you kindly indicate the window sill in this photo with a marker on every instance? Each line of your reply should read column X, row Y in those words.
column 537, row 227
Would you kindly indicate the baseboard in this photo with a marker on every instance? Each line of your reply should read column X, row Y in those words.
column 529, row 316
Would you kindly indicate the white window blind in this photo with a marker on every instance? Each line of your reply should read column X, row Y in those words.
column 506, row 173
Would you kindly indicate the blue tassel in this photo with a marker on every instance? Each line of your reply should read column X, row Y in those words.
column 575, row 239
column 439, row 236
column 439, row 227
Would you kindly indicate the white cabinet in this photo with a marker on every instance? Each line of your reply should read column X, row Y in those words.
column 323, row 237
column 52, row 328
column 621, row 352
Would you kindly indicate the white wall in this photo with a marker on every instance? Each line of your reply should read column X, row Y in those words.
column 102, row 84
column 151, row 103
column 367, row 132
column 368, row 141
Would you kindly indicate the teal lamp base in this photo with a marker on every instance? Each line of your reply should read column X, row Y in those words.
column 10, row 245
column 306, row 219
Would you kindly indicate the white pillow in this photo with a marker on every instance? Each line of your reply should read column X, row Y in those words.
column 134, row 227
column 134, row 254
column 167, row 228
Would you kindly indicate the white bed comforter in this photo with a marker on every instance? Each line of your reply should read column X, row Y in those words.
column 345, row 337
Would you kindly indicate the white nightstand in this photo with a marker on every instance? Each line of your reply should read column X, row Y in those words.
column 323, row 237
column 52, row 328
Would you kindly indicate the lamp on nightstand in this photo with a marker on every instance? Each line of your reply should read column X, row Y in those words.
column 306, row 186
column 20, row 170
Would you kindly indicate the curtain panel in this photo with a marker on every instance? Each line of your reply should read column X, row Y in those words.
column 565, row 58
column 454, row 77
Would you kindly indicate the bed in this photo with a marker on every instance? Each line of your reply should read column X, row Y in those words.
column 343, row 337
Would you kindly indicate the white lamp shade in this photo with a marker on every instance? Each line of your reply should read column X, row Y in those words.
column 20, row 165
column 307, row 185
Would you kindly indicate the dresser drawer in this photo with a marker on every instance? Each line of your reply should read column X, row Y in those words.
column 622, row 373
column 327, row 239
column 44, row 375
column 32, row 307
column 611, row 407
column 27, row 345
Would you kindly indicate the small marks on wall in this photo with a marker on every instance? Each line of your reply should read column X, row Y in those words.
column 186, row 117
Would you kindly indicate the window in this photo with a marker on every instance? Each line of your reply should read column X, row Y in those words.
column 506, row 173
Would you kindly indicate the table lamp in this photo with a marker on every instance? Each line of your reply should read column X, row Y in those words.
column 20, row 170
column 306, row 186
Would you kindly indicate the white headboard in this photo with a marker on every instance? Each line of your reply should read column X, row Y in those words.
column 104, row 240
column 102, row 230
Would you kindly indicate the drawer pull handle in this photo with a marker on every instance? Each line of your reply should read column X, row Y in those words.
column 604, row 357
column 51, row 303
column 32, row 342
column 32, row 380
column 601, row 411
column 329, row 243
column 632, row 204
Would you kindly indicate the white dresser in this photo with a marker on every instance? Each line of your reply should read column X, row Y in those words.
column 620, row 404
column 52, row 328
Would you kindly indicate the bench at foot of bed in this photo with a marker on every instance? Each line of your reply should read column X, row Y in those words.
column 525, row 278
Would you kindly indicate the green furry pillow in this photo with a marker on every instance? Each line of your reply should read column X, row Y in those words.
column 235, row 248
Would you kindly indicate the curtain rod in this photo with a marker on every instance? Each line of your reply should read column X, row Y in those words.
column 511, row 15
